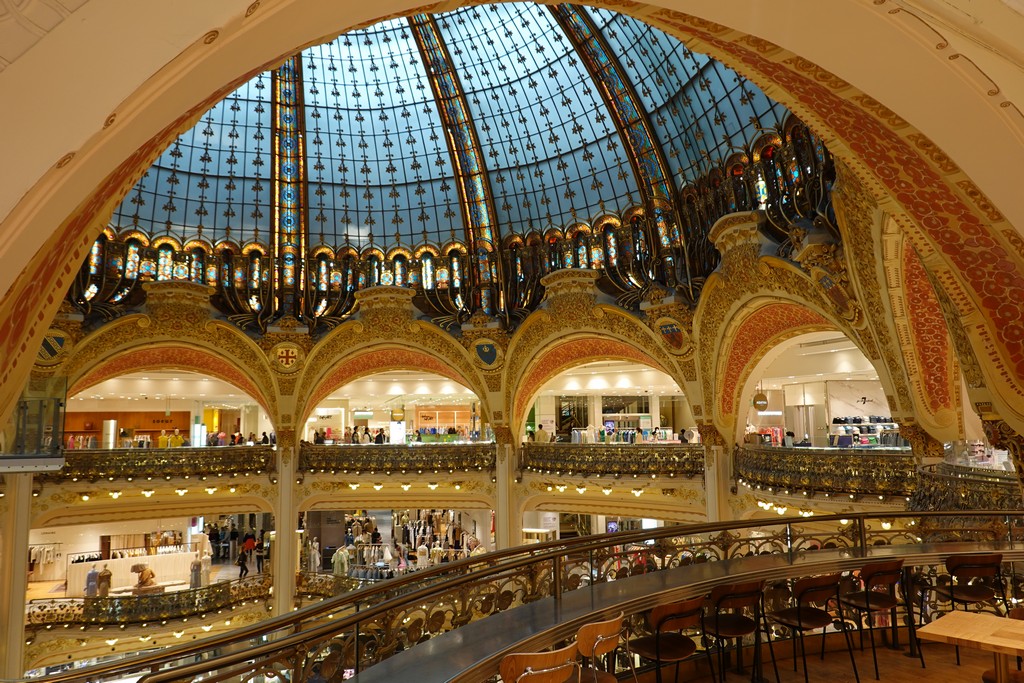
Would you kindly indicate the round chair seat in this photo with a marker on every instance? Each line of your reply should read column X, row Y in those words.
column 673, row 648
column 989, row 676
column 970, row 593
column 588, row 675
column 729, row 626
column 879, row 601
column 802, row 617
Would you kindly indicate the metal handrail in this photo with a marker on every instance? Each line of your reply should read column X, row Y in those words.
column 377, row 599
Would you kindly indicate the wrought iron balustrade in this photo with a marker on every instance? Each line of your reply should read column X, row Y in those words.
column 614, row 459
column 162, row 463
column 951, row 487
column 388, row 458
column 860, row 472
column 140, row 609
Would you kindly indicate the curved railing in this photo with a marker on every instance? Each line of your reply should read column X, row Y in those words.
column 139, row 609
column 372, row 624
column 388, row 458
column 614, row 459
column 162, row 463
column 954, row 487
column 858, row 472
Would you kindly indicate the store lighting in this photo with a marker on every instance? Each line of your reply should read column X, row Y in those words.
column 406, row 487
column 378, row 486
column 638, row 492
column 211, row 490
column 85, row 496
column 432, row 486
column 111, row 642
column 115, row 494
column 581, row 490
column 458, row 486
column 607, row 491
column 207, row 627
column 181, row 492
column 886, row 525
column 179, row 634
column 561, row 488
column 232, row 489
column 353, row 486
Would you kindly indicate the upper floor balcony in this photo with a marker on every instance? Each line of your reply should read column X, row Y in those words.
column 396, row 458
column 614, row 459
column 128, row 464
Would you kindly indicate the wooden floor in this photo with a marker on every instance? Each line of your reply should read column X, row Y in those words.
column 894, row 667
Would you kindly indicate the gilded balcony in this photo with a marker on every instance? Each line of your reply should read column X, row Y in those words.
column 392, row 458
column 948, row 486
column 162, row 463
column 614, row 459
column 874, row 472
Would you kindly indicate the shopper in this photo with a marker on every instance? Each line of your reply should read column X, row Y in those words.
column 260, row 548
column 233, row 539
column 243, row 564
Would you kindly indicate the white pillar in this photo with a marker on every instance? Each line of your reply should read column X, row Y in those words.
column 14, row 529
column 655, row 409
column 506, row 524
column 594, row 411
column 284, row 560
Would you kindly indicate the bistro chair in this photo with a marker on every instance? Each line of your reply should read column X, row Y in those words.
column 597, row 640
column 557, row 666
column 878, row 594
column 666, row 643
column 970, row 582
column 722, row 624
column 805, row 615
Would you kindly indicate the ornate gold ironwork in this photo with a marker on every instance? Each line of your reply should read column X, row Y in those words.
column 952, row 487
column 139, row 609
column 860, row 472
column 663, row 460
column 419, row 458
column 164, row 463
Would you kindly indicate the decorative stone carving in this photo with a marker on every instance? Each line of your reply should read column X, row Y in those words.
column 1001, row 435
column 922, row 444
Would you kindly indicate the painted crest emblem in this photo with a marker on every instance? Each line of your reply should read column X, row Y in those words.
column 488, row 354
column 671, row 333
column 53, row 348
column 286, row 357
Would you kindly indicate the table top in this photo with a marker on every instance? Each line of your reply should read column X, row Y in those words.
column 977, row 630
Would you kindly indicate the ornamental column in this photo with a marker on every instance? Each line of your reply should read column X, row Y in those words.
column 506, row 519
column 716, row 473
column 14, row 528
column 284, row 560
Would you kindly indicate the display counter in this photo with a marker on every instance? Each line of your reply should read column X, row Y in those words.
column 169, row 568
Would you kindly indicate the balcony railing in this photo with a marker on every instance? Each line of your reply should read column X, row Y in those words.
column 382, row 625
column 614, row 459
column 162, row 463
column 140, row 609
column 858, row 472
column 954, row 487
column 388, row 458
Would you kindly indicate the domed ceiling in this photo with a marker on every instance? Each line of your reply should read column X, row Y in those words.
column 490, row 127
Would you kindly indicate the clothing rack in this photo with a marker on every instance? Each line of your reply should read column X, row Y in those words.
column 45, row 561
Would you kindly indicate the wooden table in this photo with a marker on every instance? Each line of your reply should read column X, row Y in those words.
column 999, row 635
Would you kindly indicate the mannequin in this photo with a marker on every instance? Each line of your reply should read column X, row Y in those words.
column 103, row 582
column 207, row 563
column 196, row 573
column 92, row 582
column 314, row 555
column 147, row 577
column 339, row 563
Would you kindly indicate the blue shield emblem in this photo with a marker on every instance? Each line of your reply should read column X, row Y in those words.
column 487, row 352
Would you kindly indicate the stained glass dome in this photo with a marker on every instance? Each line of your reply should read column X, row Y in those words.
column 471, row 152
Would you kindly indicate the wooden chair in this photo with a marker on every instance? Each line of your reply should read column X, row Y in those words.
column 557, row 666
column 870, row 600
column 964, row 590
column 596, row 640
column 723, row 624
column 666, row 643
column 805, row 616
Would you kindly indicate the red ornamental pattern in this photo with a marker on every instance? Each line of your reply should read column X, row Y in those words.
column 380, row 361
column 970, row 245
column 928, row 327
column 191, row 360
column 754, row 334
column 570, row 354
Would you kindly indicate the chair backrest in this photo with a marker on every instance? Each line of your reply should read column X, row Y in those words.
column 736, row 595
column 974, row 565
column 675, row 616
column 881, row 573
column 599, row 638
column 540, row 667
column 817, row 589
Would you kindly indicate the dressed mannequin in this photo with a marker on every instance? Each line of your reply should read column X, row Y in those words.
column 92, row 582
column 339, row 563
column 147, row 577
column 315, row 558
column 207, row 563
column 196, row 573
column 103, row 582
